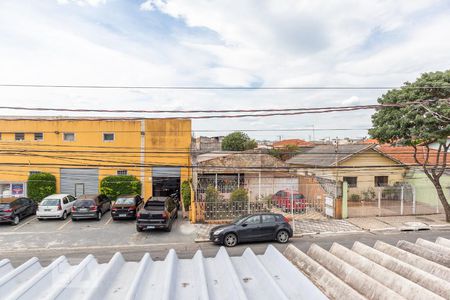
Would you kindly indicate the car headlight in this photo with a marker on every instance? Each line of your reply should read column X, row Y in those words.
column 218, row 231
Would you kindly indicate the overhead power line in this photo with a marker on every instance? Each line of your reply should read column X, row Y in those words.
column 268, row 110
column 186, row 87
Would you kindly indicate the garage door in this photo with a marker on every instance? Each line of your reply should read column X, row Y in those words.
column 166, row 181
column 79, row 181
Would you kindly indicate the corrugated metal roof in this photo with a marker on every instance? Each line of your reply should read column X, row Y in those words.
column 250, row 276
column 418, row 270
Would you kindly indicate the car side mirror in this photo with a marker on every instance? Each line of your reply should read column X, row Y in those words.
column 244, row 225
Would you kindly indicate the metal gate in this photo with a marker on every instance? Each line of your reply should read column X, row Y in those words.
column 78, row 181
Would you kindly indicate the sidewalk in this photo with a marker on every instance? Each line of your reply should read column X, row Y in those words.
column 423, row 222
column 302, row 227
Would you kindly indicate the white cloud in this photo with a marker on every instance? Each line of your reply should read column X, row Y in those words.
column 83, row 2
column 215, row 43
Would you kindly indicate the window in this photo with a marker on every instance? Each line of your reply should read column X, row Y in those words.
column 71, row 198
column 38, row 136
column 19, row 136
column 69, row 136
column 253, row 220
column 122, row 172
column 34, row 172
column 108, row 137
column 381, row 180
column 65, row 201
column 268, row 219
column 0, row 135
column 351, row 181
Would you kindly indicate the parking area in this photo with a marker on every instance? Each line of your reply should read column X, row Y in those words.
column 32, row 233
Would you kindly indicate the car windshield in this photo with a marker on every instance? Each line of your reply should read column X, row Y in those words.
column 125, row 201
column 81, row 203
column 239, row 220
column 50, row 202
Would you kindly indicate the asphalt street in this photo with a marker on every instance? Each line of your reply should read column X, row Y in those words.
column 186, row 249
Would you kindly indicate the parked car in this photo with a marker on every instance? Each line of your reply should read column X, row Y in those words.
column 57, row 206
column 12, row 210
column 157, row 212
column 283, row 200
column 125, row 207
column 253, row 228
column 90, row 207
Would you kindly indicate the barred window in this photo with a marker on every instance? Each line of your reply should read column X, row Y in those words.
column 122, row 172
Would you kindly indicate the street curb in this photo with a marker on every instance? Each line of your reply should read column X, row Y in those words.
column 298, row 235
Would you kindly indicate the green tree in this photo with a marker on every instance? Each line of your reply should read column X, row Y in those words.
column 238, row 141
column 113, row 186
column 41, row 185
column 419, row 123
column 239, row 194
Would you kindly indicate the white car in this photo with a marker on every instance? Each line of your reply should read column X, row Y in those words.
column 57, row 206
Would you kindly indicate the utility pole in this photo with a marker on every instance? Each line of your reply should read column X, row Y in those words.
column 336, row 149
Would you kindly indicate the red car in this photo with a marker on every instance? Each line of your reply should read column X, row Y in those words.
column 283, row 200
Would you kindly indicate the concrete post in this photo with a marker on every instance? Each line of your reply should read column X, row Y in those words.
column 292, row 209
column 215, row 181
column 379, row 201
column 344, row 200
column 414, row 198
column 401, row 200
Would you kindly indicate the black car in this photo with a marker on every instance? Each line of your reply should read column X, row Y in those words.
column 12, row 210
column 125, row 207
column 90, row 207
column 157, row 213
column 253, row 228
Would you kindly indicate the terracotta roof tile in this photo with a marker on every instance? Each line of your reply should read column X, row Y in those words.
column 292, row 142
column 405, row 154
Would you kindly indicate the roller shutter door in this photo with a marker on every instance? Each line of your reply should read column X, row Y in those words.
column 79, row 181
column 166, row 172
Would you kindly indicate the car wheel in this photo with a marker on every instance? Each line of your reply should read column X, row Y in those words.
column 16, row 220
column 64, row 216
column 230, row 240
column 138, row 229
column 99, row 216
column 169, row 228
column 282, row 236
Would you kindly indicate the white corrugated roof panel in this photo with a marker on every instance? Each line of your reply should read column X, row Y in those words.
column 250, row 276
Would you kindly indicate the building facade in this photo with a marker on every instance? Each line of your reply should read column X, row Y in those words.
column 80, row 152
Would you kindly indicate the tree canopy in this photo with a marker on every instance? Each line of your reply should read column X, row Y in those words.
column 416, row 123
column 238, row 141
column 423, row 119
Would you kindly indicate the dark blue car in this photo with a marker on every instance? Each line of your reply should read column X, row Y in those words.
column 253, row 228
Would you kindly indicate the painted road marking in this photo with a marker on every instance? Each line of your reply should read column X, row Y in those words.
column 64, row 225
column 20, row 226
column 109, row 221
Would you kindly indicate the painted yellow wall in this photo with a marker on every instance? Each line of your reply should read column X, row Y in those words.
column 53, row 153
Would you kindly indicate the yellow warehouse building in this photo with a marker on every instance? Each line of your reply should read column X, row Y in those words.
column 81, row 151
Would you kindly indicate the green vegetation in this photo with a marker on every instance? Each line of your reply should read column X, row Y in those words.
column 211, row 194
column 239, row 195
column 423, row 120
column 238, row 141
column 186, row 194
column 113, row 186
column 41, row 185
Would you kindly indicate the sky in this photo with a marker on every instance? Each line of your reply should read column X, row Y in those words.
column 250, row 43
